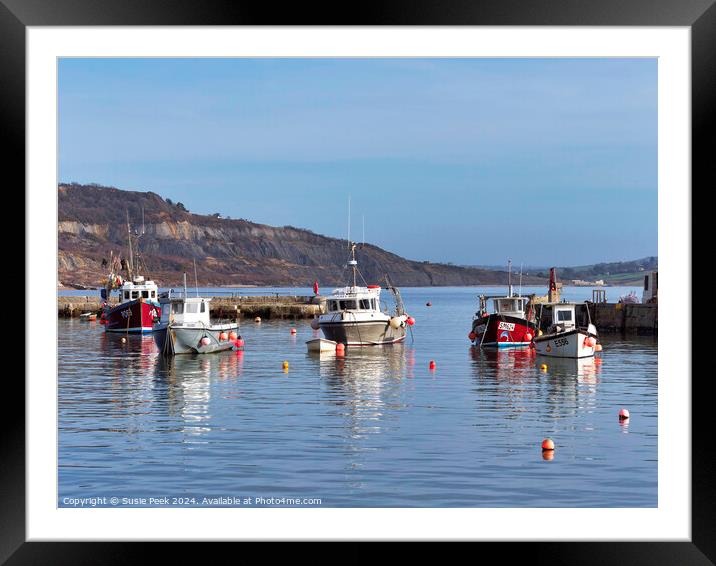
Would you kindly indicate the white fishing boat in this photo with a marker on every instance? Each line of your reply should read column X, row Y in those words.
column 571, row 333
column 185, row 327
column 355, row 315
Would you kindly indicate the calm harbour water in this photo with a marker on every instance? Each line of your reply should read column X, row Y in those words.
column 375, row 428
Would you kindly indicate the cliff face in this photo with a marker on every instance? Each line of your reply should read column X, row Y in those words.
column 92, row 222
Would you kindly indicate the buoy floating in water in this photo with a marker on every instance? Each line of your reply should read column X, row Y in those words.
column 285, row 364
column 431, row 365
column 293, row 331
column 548, row 444
column 428, row 304
column 123, row 340
column 544, row 367
column 257, row 319
column 623, row 414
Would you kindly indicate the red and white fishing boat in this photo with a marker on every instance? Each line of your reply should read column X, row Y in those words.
column 511, row 324
column 138, row 308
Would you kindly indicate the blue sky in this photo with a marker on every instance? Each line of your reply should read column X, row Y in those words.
column 471, row 161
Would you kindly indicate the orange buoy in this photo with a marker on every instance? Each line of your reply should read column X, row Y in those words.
column 233, row 335
column 223, row 336
column 544, row 367
column 285, row 364
column 431, row 365
column 547, row 444
column 623, row 414
column 472, row 336
column 598, row 348
column 340, row 347
column 528, row 337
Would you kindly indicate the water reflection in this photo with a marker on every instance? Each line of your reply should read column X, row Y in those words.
column 187, row 385
column 510, row 381
column 364, row 382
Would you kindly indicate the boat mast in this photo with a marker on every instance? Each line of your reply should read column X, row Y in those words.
column 353, row 263
column 509, row 277
column 130, row 265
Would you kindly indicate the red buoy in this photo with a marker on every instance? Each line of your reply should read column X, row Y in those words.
column 472, row 336
column 623, row 414
column 528, row 337
column 547, row 444
column 410, row 321
column 432, row 364
column 293, row 331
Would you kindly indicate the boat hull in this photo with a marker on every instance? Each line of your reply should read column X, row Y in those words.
column 172, row 340
column 569, row 344
column 133, row 316
column 362, row 333
column 502, row 331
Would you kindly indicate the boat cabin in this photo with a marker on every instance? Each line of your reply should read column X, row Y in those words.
column 138, row 288
column 510, row 306
column 354, row 299
column 185, row 311
column 570, row 316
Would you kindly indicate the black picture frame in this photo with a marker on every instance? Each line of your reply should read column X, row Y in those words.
column 699, row 15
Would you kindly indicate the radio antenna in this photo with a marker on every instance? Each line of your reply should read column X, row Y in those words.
column 349, row 221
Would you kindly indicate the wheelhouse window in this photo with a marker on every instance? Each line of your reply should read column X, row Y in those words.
column 564, row 316
column 145, row 294
column 345, row 305
column 365, row 304
column 192, row 308
column 126, row 294
column 203, row 306
column 135, row 294
column 178, row 308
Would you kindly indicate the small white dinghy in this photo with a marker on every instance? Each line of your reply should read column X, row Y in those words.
column 321, row 345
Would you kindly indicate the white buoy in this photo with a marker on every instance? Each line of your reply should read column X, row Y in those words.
column 395, row 322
